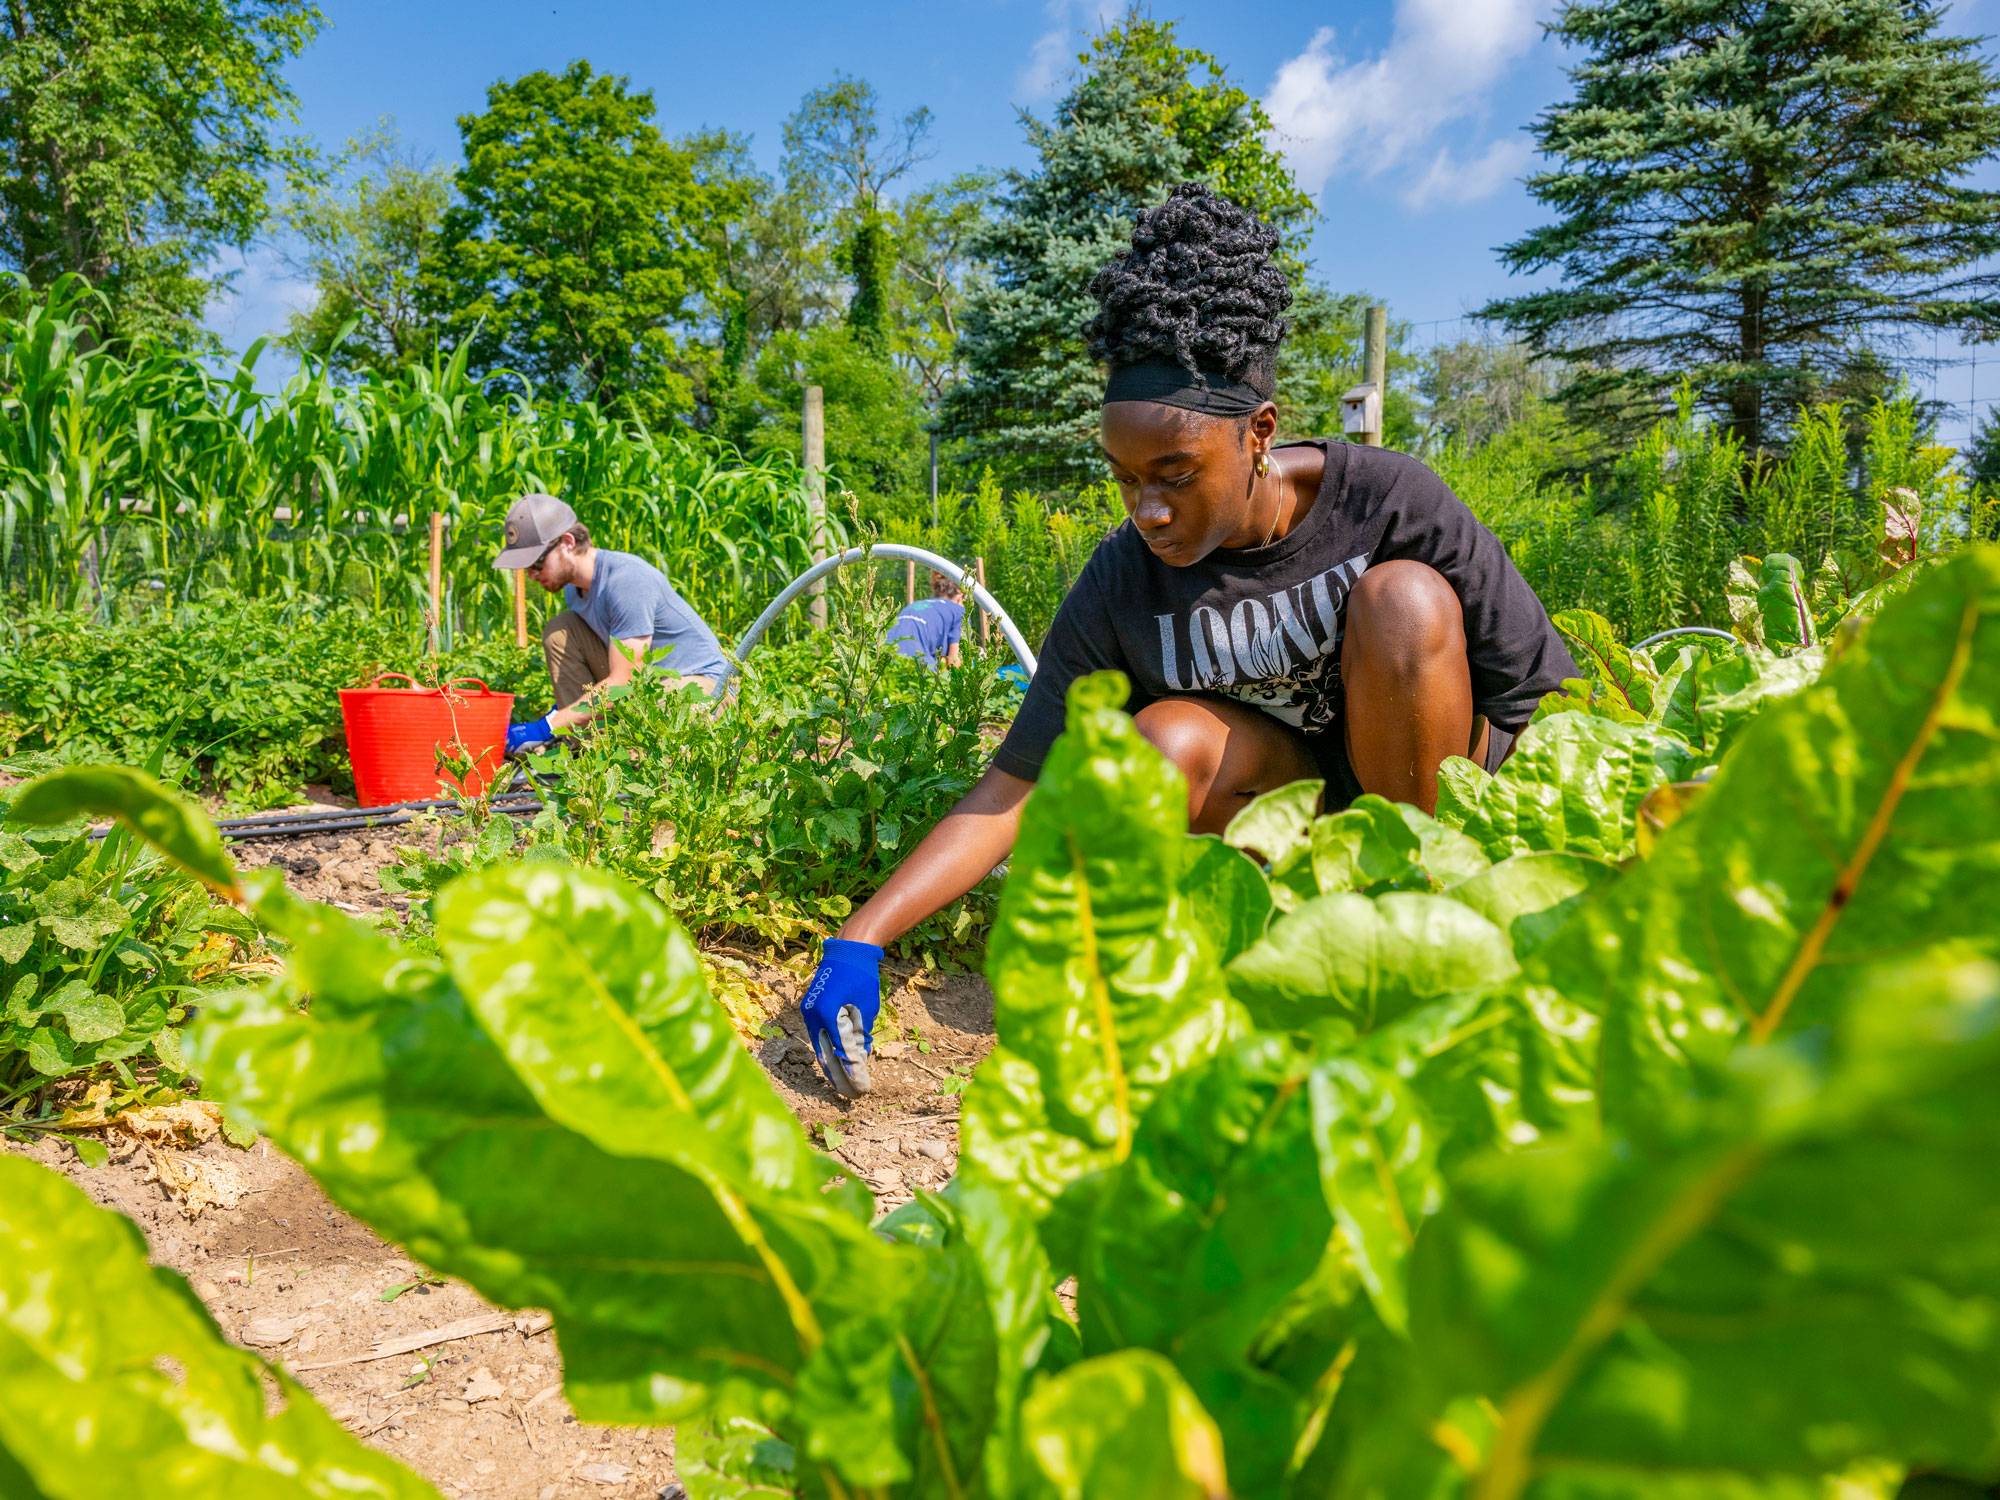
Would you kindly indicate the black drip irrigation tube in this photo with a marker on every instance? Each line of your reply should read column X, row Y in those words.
column 352, row 819
column 522, row 803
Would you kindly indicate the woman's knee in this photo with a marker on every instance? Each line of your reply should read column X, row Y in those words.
column 1404, row 614
column 1188, row 732
column 1226, row 752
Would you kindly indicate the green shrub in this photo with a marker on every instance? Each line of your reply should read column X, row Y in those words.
column 241, row 694
column 102, row 948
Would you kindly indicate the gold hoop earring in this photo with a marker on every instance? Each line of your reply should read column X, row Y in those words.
column 1263, row 464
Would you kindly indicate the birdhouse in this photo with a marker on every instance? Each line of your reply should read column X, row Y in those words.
column 1361, row 411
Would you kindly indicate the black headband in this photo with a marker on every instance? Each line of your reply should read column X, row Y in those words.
column 1172, row 384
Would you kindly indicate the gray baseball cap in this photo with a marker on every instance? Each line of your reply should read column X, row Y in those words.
column 533, row 524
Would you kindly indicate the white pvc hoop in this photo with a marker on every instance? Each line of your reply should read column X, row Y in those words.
column 900, row 553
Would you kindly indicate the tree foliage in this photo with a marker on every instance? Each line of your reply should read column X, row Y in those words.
column 875, row 442
column 835, row 147
column 1754, row 196
column 935, row 229
column 138, row 135
column 1474, row 391
column 364, row 225
column 583, row 252
column 1146, row 113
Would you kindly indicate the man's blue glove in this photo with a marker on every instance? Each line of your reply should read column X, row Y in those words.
column 840, row 1007
column 522, row 738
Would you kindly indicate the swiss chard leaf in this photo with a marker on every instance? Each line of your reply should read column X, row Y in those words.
column 1852, row 830
column 114, row 1380
column 1375, row 845
column 140, row 802
column 1201, row 1238
column 1104, row 989
column 1719, row 693
column 1573, row 781
column 1804, row 1278
column 1230, row 896
column 1356, row 964
column 1784, row 612
column 676, row 1288
column 1277, row 824
column 1124, row 1424
column 1613, row 671
column 1530, row 896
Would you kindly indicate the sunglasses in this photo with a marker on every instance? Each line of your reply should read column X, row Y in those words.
column 536, row 566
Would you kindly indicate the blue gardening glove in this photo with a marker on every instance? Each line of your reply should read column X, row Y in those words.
column 839, row 1008
column 522, row 738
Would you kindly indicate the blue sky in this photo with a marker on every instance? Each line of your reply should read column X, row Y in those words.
column 1406, row 117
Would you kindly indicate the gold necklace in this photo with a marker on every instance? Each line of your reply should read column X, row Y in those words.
column 1277, row 513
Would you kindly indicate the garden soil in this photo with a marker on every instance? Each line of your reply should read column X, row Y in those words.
column 481, row 1414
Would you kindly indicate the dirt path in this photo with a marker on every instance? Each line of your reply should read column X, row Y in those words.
column 483, row 1416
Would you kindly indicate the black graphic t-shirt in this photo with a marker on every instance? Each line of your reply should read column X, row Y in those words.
column 1263, row 625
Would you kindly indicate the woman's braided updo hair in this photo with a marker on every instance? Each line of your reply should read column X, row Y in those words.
column 1197, row 287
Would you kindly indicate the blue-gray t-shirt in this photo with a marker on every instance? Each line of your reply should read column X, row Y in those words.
column 927, row 628
column 630, row 598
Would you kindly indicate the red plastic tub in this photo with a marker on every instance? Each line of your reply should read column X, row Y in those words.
column 400, row 738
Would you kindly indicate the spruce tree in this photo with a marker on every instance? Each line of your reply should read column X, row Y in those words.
column 1145, row 114
column 1758, row 195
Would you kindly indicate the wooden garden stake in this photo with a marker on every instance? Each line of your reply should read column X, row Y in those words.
column 910, row 582
column 437, row 576
column 985, row 624
column 521, row 607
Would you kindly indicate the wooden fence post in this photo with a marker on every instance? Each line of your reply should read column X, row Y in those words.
column 521, row 608
column 1375, row 353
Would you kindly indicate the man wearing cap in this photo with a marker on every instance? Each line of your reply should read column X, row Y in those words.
column 620, row 610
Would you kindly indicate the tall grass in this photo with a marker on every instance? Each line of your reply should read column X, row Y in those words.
column 149, row 470
column 1651, row 546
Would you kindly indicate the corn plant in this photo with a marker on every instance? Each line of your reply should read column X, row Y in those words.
column 147, row 468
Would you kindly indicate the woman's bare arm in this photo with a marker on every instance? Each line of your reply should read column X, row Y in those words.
column 954, row 857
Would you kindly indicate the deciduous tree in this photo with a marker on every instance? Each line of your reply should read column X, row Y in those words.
column 137, row 137
column 361, row 228
column 583, row 251
column 836, row 139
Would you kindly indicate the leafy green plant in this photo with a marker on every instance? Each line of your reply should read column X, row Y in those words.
column 103, row 947
column 113, row 1378
column 1474, row 1170
column 241, row 694
column 761, row 816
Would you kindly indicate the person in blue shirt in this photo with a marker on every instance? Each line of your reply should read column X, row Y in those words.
column 930, row 628
column 620, row 612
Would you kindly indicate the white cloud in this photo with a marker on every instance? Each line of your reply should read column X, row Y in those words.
column 1071, row 24
column 1451, row 181
column 1366, row 116
column 1046, row 60
column 260, row 297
